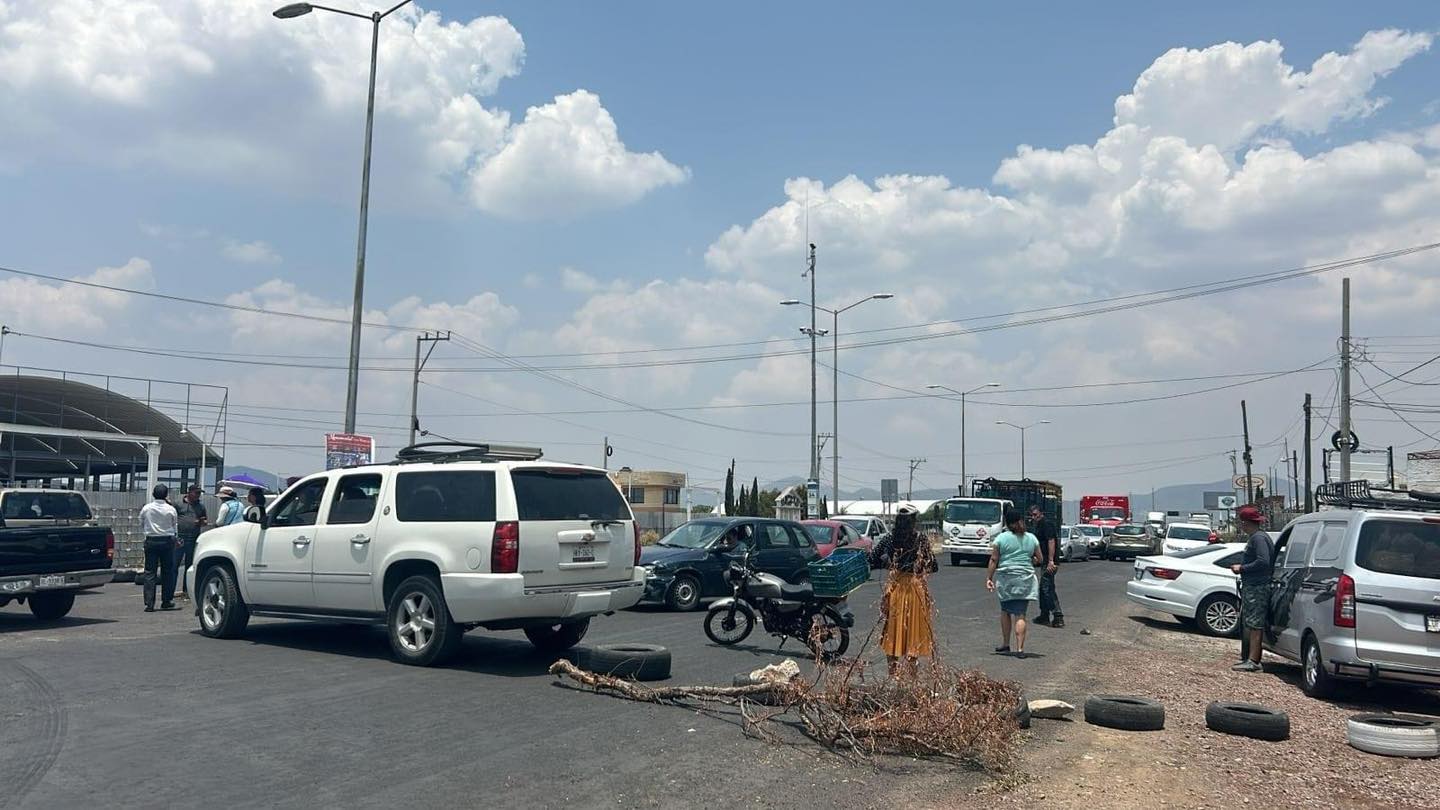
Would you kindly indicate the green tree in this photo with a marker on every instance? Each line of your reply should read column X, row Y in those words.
column 730, row 489
column 755, row 497
column 742, row 504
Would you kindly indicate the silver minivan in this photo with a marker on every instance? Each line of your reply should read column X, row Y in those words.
column 1356, row 595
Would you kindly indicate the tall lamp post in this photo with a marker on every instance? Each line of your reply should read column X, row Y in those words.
column 299, row 10
column 835, row 385
column 962, row 395
column 1022, row 429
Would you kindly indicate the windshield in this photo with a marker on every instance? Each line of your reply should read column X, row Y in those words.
column 987, row 512
column 1092, row 531
column 1188, row 533
column 1401, row 547
column 818, row 534
column 858, row 524
column 1129, row 531
column 693, row 535
column 1107, row 513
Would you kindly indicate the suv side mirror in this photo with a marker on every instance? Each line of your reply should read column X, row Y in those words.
column 254, row 515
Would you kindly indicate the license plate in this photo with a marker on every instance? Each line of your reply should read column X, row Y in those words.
column 51, row 581
column 583, row 553
column 1432, row 624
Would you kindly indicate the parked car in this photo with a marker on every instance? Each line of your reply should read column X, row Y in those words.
column 1095, row 537
column 829, row 535
column 688, row 565
column 1073, row 544
column 869, row 526
column 1356, row 596
column 1129, row 540
column 1194, row 585
column 1180, row 536
column 50, row 548
column 446, row 538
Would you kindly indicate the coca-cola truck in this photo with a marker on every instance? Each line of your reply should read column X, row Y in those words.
column 1107, row 511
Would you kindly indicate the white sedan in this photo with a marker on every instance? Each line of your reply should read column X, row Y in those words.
column 1180, row 536
column 1194, row 585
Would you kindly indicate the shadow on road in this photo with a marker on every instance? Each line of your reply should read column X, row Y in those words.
column 1168, row 625
column 20, row 622
column 1360, row 698
column 506, row 657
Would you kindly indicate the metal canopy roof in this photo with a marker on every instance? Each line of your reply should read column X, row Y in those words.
column 71, row 405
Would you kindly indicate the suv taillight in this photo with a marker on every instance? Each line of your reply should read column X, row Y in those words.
column 110, row 546
column 635, row 524
column 505, row 548
column 1345, row 602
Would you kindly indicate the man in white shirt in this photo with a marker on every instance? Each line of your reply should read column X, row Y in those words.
column 158, row 521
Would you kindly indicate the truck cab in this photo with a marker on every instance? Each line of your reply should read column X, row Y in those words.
column 969, row 525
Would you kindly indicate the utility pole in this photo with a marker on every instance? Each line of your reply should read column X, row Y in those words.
column 1285, row 458
column 1295, row 475
column 425, row 337
column 1345, row 428
column 814, row 438
column 605, row 455
column 1249, row 479
column 910, row 490
column 1309, row 490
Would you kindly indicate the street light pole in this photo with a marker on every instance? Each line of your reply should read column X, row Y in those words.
column 352, row 387
column 814, row 439
column 1022, row 429
column 962, row 395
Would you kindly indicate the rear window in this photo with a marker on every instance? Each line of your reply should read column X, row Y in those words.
column 446, row 497
column 1188, row 533
column 1402, row 547
column 558, row 494
column 44, row 506
column 820, row 534
column 1129, row 531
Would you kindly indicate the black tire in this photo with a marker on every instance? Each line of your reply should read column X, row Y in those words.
column 718, row 632
column 1124, row 712
column 1314, row 679
column 837, row 630
column 1022, row 713
column 1247, row 720
column 416, row 602
column 51, row 605
column 642, row 662
column 955, row 560
column 221, row 610
column 1393, row 735
column 1219, row 616
column 557, row 638
column 684, row 594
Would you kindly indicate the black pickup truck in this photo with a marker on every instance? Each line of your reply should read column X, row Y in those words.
column 50, row 548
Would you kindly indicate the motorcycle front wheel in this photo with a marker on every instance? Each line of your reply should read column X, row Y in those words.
column 829, row 635
column 729, row 624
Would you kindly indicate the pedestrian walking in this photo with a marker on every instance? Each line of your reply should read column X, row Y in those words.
column 157, row 522
column 256, row 500
column 1045, row 534
column 230, row 510
column 1013, row 557
column 906, row 607
column 191, row 519
column 1255, row 568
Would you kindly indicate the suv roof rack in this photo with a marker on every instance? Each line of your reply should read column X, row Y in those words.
column 465, row 451
column 1360, row 495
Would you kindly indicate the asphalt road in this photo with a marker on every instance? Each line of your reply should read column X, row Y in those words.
column 122, row 708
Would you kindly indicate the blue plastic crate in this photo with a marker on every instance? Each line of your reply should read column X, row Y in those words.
column 842, row 572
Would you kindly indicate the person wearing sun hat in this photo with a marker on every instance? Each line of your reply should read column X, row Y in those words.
column 230, row 509
column 1254, row 570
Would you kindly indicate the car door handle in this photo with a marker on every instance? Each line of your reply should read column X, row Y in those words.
column 302, row 540
column 360, row 540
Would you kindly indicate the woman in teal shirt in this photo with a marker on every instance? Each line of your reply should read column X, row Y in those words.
column 1013, row 557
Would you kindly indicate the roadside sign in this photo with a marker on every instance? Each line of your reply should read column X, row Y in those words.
column 1226, row 502
column 1249, row 482
column 812, row 499
column 1212, row 499
column 889, row 490
column 348, row 450
column 1337, row 441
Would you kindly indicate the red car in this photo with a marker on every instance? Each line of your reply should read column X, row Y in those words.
column 829, row 535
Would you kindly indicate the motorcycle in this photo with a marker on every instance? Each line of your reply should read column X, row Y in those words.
column 786, row 611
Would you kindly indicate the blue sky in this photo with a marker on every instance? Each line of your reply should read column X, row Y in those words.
column 733, row 102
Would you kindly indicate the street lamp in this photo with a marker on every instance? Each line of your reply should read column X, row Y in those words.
column 299, row 10
column 962, row 395
column 835, row 385
column 1022, row 429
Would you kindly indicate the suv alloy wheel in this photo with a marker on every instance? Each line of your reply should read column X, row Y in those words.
column 418, row 623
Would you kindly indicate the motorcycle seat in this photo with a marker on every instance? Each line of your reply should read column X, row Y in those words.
column 797, row 593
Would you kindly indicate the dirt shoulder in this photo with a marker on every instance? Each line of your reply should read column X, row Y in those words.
column 1073, row 764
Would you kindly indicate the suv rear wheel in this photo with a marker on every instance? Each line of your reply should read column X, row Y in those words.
column 418, row 623
column 557, row 638
column 1316, row 682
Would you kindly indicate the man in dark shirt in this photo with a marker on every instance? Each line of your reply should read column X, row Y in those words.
column 1254, row 570
column 191, row 519
column 1050, row 612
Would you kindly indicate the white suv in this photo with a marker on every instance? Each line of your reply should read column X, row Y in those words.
column 434, row 544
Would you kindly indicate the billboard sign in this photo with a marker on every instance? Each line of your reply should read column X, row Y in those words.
column 348, row 450
column 812, row 499
column 1212, row 499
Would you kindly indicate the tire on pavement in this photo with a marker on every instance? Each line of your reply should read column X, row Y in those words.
column 51, row 605
column 221, row 611
column 642, row 662
column 1394, row 735
column 1124, row 712
column 557, row 638
column 419, row 601
column 1247, row 720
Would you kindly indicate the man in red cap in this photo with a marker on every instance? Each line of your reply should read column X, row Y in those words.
column 1254, row 570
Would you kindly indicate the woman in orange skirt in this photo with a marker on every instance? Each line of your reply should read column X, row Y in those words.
column 906, row 606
